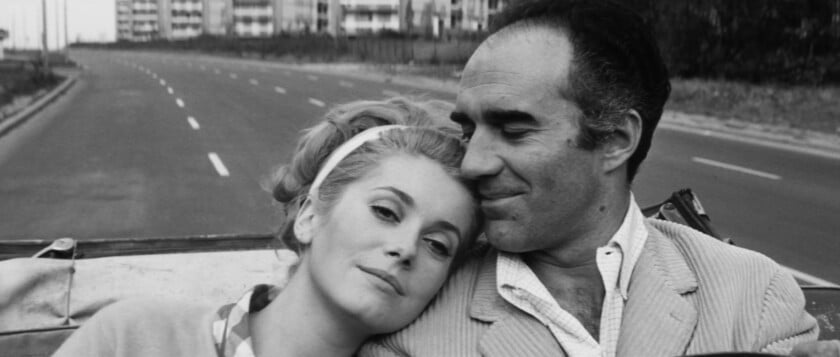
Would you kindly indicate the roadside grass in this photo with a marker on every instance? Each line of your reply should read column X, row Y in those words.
column 795, row 107
column 21, row 81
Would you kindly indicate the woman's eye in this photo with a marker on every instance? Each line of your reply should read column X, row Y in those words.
column 385, row 213
column 438, row 247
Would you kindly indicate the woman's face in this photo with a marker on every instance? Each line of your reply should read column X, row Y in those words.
column 385, row 247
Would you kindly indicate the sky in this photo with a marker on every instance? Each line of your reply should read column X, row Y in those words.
column 87, row 20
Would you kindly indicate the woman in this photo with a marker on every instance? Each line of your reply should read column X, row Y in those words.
column 379, row 218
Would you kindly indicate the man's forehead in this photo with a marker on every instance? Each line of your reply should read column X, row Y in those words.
column 520, row 55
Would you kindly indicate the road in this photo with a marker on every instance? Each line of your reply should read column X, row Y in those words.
column 161, row 145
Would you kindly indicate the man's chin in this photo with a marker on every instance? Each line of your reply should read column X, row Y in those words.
column 506, row 236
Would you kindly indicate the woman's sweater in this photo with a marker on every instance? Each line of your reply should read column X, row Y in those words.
column 145, row 327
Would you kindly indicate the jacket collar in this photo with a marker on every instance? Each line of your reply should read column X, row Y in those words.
column 658, row 319
column 512, row 331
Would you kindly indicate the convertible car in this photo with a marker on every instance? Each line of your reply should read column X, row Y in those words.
column 49, row 288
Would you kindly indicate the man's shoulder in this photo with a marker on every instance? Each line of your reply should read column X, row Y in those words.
column 707, row 255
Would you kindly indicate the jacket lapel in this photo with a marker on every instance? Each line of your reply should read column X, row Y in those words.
column 659, row 319
column 512, row 332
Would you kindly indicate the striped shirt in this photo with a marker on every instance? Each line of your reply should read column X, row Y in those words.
column 518, row 285
column 231, row 328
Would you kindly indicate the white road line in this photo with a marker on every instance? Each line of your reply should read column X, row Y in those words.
column 316, row 102
column 740, row 169
column 218, row 164
column 162, row 82
column 233, row 76
column 280, row 90
column 179, row 102
column 169, row 89
column 345, row 84
column 154, row 75
column 810, row 279
column 390, row 93
column 312, row 78
column 193, row 123
column 254, row 82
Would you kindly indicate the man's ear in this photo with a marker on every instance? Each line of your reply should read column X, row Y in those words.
column 623, row 142
column 305, row 222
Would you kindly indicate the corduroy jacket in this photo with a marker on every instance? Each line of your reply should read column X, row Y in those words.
column 689, row 294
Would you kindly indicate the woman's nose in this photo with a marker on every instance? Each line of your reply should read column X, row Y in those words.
column 402, row 247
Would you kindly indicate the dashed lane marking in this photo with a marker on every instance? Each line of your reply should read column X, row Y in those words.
column 280, row 90
column 179, row 102
column 169, row 89
column 345, row 84
column 254, row 82
column 193, row 123
column 162, row 82
column 316, row 102
column 218, row 164
column 312, row 78
column 737, row 168
column 390, row 93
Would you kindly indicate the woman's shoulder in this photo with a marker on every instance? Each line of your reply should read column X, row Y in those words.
column 139, row 311
column 144, row 327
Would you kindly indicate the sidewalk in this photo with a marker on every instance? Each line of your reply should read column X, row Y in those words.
column 32, row 105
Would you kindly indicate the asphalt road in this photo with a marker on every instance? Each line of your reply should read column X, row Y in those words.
column 161, row 145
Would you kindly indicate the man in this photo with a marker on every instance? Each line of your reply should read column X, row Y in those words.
column 559, row 107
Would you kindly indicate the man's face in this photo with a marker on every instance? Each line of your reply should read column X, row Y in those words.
column 538, row 190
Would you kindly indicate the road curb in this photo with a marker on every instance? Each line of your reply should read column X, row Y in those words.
column 14, row 121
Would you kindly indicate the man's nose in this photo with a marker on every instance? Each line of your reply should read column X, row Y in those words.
column 481, row 159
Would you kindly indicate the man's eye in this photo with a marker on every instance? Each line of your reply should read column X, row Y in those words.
column 515, row 133
column 437, row 247
column 385, row 213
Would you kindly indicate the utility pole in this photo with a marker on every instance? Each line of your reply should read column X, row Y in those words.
column 66, row 42
column 44, row 48
column 57, row 29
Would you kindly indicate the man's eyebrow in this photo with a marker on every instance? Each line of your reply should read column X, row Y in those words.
column 500, row 116
column 408, row 200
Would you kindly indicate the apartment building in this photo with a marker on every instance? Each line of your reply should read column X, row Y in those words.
column 253, row 18
column 473, row 15
column 185, row 19
column 124, row 9
column 144, row 20
column 370, row 16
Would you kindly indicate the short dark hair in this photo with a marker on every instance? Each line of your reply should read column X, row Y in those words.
column 616, row 65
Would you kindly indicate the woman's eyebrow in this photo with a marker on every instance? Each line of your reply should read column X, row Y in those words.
column 408, row 200
column 446, row 225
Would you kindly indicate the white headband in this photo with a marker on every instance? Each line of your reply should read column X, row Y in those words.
column 345, row 149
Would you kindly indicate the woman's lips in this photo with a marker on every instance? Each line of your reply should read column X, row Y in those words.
column 388, row 278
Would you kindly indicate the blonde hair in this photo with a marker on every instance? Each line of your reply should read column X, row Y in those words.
column 429, row 134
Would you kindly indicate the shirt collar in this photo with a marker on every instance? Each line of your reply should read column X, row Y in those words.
column 231, row 328
column 630, row 238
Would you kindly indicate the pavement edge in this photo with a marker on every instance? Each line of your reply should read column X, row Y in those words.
column 21, row 117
